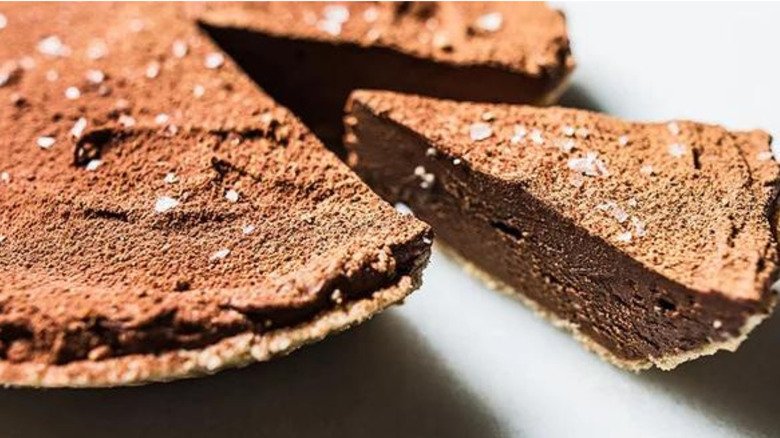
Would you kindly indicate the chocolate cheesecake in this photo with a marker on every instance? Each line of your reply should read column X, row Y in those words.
column 160, row 216
column 310, row 56
column 653, row 243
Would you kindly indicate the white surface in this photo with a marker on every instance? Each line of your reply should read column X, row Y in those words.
column 458, row 360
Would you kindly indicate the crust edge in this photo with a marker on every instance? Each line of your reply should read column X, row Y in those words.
column 665, row 363
column 233, row 352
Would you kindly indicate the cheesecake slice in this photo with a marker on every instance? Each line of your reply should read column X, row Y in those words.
column 160, row 216
column 653, row 243
column 310, row 56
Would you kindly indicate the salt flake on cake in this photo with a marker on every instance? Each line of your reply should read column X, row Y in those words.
column 490, row 22
column 170, row 178
column 519, row 134
column 180, row 48
column 623, row 237
column 45, row 142
column 152, row 70
column 480, row 131
column 589, row 165
column 214, row 60
column 95, row 76
column 165, row 203
column 93, row 165
column 72, row 93
column 677, row 150
column 231, row 195
column 78, row 128
column 53, row 46
column 536, row 137
column 219, row 255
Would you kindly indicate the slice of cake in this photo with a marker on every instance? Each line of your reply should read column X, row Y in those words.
column 310, row 56
column 654, row 243
column 160, row 217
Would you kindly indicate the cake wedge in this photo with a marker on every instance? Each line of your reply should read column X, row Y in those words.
column 160, row 216
column 653, row 243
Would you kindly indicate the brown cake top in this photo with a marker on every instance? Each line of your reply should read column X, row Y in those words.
column 694, row 202
column 152, row 198
column 529, row 38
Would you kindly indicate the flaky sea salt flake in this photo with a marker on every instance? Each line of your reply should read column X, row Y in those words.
column 566, row 145
column 536, row 137
column 480, row 131
column 72, row 93
column 45, row 142
column 198, row 91
column 402, row 208
column 214, row 60
column 53, row 46
column 152, row 70
column 231, row 195
column 97, row 50
column 170, row 178
column 164, row 204
column 95, row 76
column 337, row 13
column 490, row 22
column 219, row 255
column 639, row 226
column 677, row 150
column 589, row 165
column 78, row 128
column 180, row 48
column 370, row 15
column 161, row 118
column 519, row 134
column 126, row 121
column 93, row 165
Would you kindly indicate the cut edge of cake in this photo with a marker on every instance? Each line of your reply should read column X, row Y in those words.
column 665, row 363
column 752, row 307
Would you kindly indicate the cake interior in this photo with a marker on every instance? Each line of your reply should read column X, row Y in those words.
column 617, row 304
column 314, row 78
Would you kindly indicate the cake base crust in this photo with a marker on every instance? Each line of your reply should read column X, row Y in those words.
column 666, row 363
column 233, row 352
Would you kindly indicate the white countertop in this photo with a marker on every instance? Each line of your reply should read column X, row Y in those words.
column 460, row 360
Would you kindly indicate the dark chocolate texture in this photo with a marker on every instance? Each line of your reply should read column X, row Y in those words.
column 654, row 241
column 310, row 56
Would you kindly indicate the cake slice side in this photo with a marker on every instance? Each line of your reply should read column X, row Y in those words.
column 623, row 259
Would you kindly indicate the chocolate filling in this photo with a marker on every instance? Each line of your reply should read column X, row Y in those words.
column 314, row 78
column 630, row 310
